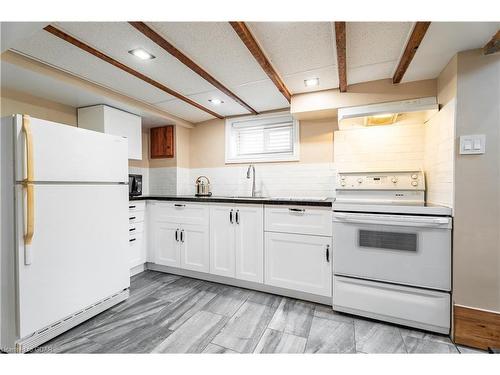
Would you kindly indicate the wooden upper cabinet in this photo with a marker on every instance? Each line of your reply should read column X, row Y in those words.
column 162, row 142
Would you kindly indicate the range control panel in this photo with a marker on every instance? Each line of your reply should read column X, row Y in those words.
column 408, row 180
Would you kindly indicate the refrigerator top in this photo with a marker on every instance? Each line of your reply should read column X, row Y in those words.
column 67, row 154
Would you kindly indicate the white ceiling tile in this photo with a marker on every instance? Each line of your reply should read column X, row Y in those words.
column 295, row 47
column 370, row 72
column 117, row 38
column 328, row 79
column 216, row 47
column 442, row 41
column 185, row 111
column 228, row 108
column 27, row 81
column 63, row 55
column 262, row 96
column 375, row 42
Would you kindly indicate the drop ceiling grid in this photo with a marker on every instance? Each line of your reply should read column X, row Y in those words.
column 298, row 51
column 56, row 52
column 373, row 49
column 442, row 41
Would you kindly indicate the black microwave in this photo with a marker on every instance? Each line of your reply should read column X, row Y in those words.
column 134, row 185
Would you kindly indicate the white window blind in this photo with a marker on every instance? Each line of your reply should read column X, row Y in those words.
column 261, row 138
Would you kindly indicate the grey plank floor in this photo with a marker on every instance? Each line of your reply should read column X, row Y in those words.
column 171, row 314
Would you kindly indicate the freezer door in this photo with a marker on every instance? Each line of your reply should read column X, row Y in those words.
column 65, row 153
column 78, row 252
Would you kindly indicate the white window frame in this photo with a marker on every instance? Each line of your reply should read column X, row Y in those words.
column 230, row 158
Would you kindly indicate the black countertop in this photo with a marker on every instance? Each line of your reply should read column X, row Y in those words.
column 260, row 200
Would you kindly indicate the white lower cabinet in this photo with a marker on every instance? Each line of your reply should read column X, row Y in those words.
column 165, row 244
column 299, row 262
column 249, row 249
column 194, row 247
column 222, row 243
column 137, row 240
column 177, row 242
column 236, row 241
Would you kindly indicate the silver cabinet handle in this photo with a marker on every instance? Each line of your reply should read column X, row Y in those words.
column 237, row 216
column 327, row 253
column 301, row 210
column 177, row 234
column 179, row 205
column 182, row 235
column 231, row 216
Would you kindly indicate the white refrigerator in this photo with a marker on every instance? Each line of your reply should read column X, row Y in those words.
column 64, row 228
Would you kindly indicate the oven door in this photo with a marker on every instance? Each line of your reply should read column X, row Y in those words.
column 400, row 249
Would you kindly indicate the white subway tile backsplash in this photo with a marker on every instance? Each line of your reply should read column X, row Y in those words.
column 277, row 180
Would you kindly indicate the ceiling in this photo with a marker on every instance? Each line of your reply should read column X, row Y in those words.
column 296, row 50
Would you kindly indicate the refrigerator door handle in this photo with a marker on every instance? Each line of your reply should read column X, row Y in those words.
column 30, row 196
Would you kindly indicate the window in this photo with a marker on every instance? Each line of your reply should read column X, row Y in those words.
column 262, row 139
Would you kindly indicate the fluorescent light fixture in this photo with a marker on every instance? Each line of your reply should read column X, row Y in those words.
column 215, row 101
column 381, row 119
column 311, row 82
column 141, row 53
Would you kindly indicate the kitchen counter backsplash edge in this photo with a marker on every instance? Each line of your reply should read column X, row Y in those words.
column 285, row 202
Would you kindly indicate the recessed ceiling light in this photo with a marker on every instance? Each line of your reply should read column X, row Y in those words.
column 215, row 101
column 141, row 53
column 311, row 82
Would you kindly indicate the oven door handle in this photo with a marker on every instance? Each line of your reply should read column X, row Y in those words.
column 407, row 221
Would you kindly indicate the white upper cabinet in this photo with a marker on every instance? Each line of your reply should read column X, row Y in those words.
column 110, row 120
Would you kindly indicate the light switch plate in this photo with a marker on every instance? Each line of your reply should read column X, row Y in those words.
column 472, row 144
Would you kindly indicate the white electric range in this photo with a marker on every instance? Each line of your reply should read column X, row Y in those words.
column 392, row 252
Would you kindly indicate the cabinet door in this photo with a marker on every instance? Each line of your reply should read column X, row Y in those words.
column 222, row 240
column 195, row 249
column 249, row 243
column 136, row 252
column 299, row 262
column 162, row 142
column 166, row 244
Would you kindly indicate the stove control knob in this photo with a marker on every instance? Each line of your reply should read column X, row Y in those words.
column 414, row 176
column 414, row 183
column 394, row 180
column 342, row 183
column 342, row 178
column 360, row 180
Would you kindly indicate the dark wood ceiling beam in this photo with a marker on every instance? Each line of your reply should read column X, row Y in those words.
column 68, row 38
column 340, row 38
column 249, row 41
column 412, row 45
column 171, row 49
column 493, row 45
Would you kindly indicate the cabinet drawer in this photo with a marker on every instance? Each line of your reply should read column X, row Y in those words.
column 181, row 212
column 420, row 308
column 299, row 219
column 136, row 217
column 134, row 206
column 134, row 228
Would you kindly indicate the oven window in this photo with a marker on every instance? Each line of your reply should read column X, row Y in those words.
column 388, row 240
